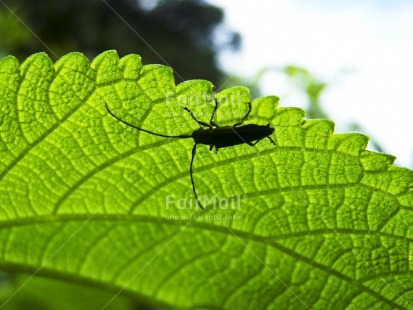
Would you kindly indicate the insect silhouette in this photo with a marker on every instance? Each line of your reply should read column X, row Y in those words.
column 215, row 136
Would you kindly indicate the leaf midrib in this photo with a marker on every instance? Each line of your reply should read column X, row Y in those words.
column 246, row 236
column 46, row 219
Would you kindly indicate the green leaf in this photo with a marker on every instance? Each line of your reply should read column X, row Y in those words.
column 60, row 295
column 315, row 222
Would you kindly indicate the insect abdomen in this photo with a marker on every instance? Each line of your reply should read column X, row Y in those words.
column 228, row 136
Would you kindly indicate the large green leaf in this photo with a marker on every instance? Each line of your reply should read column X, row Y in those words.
column 315, row 222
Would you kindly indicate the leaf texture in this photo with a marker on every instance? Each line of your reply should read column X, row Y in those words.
column 316, row 222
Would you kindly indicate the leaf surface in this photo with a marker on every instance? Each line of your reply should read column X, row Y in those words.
column 315, row 222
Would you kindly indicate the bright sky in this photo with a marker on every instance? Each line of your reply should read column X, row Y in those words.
column 371, row 39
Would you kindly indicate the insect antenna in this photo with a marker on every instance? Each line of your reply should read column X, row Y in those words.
column 211, row 121
column 136, row 127
column 192, row 179
column 194, row 118
column 245, row 116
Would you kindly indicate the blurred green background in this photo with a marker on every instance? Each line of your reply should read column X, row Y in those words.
column 175, row 33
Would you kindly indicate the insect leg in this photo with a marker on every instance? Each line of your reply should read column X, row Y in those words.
column 192, row 179
column 272, row 141
column 245, row 116
column 213, row 113
column 199, row 122
column 254, row 143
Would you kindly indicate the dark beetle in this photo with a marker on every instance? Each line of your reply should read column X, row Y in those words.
column 215, row 136
column 225, row 136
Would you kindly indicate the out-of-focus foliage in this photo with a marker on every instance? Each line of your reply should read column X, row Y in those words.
column 306, row 82
column 312, row 88
column 177, row 33
column 12, row 32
